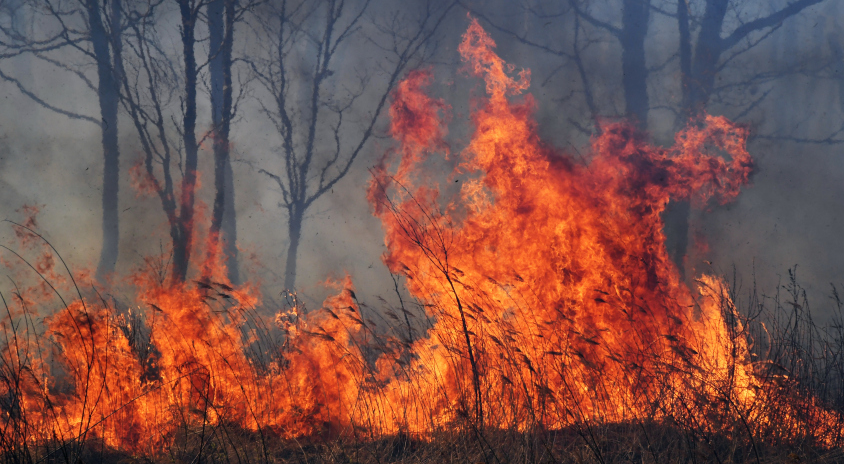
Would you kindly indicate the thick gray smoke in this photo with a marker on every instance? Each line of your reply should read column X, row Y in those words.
column 784, row 80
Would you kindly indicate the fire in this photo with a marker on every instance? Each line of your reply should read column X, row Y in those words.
column 552, row 298
column 555, row 300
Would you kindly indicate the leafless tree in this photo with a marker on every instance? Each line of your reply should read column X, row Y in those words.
column 159, row 92
column 168, row 132
column 72, row 35
column 222, row 16
column 708, row 46
column 323, row 124
column 714, row 50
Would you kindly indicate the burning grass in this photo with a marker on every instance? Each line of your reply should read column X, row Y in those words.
column 547, row 324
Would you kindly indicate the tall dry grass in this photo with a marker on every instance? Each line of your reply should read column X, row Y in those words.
column 795, row 359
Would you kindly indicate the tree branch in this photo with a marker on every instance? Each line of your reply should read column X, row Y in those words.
column 768, row 21
column 46, row 105
column 596, row 22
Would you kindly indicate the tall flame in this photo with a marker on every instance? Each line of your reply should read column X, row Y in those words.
column 554, row 297
column 551, row 298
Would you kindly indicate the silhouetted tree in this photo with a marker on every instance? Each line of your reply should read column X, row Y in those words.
column 154, row 81
column 221, row 22
column 698, row 74
column 635, row 15
column 303, row 41
column 72, row 35
column 700, row 61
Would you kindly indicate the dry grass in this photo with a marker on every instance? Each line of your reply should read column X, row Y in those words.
column 794, row 357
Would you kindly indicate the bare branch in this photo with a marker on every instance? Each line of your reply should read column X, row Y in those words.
column 768, row 21
column 521, row 38
column 419, row 40
column 749, row 46
column 616, row 31
column 277, row 179
column 46, row 105
column 68, row 68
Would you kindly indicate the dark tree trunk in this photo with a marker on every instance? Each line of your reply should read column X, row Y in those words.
column 296, row 118
column 223, row 219
column 635, row 74
column 108, row 93
column 685, row 46
column 182, row 245
column 676, row 228
column 698, row 77
column 294, row 226
column 229, row 229
column 707, row 53
column 635, row 16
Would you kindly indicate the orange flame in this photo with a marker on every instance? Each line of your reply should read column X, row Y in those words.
column 552, row 300
column 554, row 297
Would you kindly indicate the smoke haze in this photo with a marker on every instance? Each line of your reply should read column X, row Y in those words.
column 790, row 215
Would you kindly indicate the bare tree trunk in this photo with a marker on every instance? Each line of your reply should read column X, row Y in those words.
column 221, row 16
column 635, row 74
column 307, row 170
column 684, row 28
column 182, row 244
column 697, row 76
column 676, row 215
column 294, row 226
column 229, row 229
column 108, row 93
column 707, row 53
column 636, row 14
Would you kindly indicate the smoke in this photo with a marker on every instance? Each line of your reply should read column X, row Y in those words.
column 789, row 216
